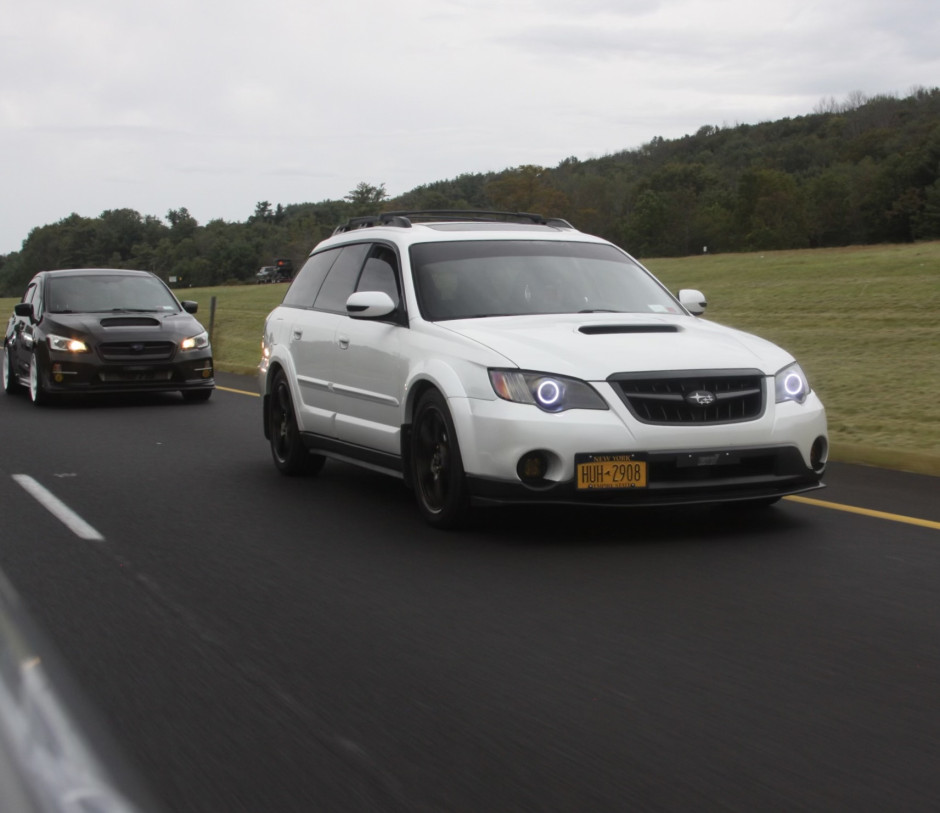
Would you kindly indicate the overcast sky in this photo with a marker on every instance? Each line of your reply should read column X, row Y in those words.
column 215, row 105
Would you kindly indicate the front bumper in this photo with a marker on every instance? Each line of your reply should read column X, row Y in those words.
column 781, row 452
column 675, row 478
column 65, row 374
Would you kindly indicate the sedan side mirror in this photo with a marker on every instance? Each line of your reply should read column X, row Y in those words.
column 369, row 305
column 189, row 306
column 693, row 301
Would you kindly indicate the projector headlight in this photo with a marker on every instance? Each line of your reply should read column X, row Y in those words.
column 64, row 344
column 551, row 393
column 198, row 342
column 791, row 384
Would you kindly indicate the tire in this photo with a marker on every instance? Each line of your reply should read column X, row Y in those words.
column 437, row 473
column 196, row 396
column 37, row 390
column 290, row 455
column 10, row 382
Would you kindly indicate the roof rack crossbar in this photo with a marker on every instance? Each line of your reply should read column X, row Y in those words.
column 403, row 219
column 466, row 214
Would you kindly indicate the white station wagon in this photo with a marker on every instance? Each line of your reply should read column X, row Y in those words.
column 487, row 359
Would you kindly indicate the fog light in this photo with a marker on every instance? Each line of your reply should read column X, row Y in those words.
column 57, row 373
column 532, row 467
column 207, row 373
column 819, row 454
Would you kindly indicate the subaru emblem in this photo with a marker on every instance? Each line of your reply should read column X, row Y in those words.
column 702, row 398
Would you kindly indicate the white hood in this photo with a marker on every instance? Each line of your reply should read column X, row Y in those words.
column 621, row 343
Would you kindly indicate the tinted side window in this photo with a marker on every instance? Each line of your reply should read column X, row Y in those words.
column 380, row 273
column 306, row 285
column 341, row 281
column 34, row 295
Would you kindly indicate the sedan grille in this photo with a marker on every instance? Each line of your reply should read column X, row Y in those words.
column 692, row 397
column 136, row 351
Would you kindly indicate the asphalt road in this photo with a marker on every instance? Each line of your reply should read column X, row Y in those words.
column 260, row 643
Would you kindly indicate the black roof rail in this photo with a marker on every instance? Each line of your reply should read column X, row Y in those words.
column 404, row 219
column 368, row 221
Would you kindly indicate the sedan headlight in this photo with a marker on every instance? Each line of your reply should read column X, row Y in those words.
column 551, row 393
column 66, row 345
column 199, row 342
column 791, row 384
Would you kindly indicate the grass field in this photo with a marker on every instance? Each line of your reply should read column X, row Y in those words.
column 863, row 321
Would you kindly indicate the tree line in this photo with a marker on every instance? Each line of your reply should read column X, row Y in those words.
column 862, row 171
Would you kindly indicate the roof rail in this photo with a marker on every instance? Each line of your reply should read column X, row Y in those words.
column 404, row 219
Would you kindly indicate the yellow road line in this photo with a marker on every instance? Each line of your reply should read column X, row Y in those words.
column 868, row 512
column 240, row 392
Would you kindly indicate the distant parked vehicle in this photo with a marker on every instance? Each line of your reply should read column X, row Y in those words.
column 281, row 271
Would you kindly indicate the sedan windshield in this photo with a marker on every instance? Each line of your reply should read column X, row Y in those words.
column 464, row 280
column 106, row 293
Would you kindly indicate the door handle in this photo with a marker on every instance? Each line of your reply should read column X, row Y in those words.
column 343, row 342
column 297, row 334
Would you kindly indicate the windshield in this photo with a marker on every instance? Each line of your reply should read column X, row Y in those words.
column 463, row 280
column 105, row 293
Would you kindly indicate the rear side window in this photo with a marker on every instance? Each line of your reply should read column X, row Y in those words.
column 341, row 280
column 306, row 285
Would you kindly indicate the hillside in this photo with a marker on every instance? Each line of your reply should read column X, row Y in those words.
column 863, row 172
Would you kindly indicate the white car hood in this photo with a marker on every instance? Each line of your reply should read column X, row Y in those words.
column 620, row 343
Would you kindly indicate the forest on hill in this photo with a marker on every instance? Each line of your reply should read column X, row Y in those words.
column 862, row 171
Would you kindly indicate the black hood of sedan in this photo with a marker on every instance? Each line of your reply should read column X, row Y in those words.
column 124, row 325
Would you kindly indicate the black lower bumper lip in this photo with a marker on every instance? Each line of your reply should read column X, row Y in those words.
column 741, row 475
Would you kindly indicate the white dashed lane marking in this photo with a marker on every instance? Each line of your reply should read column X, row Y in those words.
column 57, row 508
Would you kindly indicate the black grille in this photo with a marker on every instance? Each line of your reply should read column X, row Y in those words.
column 705, row 397
column 136, row 351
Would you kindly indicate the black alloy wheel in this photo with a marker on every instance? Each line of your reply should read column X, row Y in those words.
column 437, row 468
column 290, row 455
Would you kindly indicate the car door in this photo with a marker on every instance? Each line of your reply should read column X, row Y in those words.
column 325, row 281
column 369, row 370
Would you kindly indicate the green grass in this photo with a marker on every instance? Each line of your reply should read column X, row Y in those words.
column 863, row 321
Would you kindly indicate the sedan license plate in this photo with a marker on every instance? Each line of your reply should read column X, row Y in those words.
column 609, row 471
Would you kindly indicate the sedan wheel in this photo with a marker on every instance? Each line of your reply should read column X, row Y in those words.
column 37, row 391
column 437, row 468
column 10, row 383
column 290, row 455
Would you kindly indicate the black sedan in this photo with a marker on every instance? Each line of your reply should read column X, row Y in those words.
column 94, row 330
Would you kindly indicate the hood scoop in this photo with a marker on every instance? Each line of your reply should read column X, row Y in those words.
column 130, row 321
column 604, row 330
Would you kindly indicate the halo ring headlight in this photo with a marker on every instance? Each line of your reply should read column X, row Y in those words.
column 549, row 392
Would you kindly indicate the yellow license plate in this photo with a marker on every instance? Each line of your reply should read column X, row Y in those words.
column 611, row 471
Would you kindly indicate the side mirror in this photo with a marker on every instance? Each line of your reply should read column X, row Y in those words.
column 189, row 306
column 693, row 301
column 23, row 309
column 369, row 305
